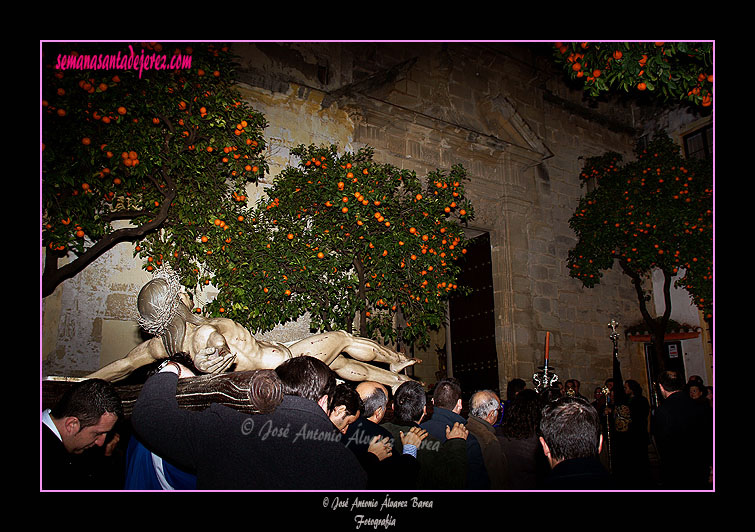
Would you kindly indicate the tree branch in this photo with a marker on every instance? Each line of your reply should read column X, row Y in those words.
column 53, row 275
column 637, row 282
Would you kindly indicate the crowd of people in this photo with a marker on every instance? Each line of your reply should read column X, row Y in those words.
column 364, row 436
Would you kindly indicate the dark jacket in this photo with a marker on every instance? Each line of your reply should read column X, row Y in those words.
column 492, row 452
column 579, row 474
column 294, row 448
column 477, row 476
column 398, row 471
column 58, row 470
column 442, row 465
column 683, row 432
column 527, row 465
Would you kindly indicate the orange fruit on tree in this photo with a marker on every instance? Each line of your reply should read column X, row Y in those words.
column 121, row 110
column 641, row 86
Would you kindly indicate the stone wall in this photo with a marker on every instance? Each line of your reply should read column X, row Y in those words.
column 498, row 109
column 519, row 131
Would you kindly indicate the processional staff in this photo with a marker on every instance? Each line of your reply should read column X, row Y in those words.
column 607, row 392
column 542, row 379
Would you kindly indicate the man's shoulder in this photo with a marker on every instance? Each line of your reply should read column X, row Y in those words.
column 481, row 429
column 293, row 406
column 394, row 427
column 51, row 443
column 366, row 426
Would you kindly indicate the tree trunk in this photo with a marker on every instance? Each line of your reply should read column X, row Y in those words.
column 362, row 292
column 656, row 326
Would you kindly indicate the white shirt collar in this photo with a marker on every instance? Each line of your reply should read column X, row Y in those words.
column 47, row 420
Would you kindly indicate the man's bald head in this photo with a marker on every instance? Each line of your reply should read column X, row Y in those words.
column 485, row 404
column 375, row 398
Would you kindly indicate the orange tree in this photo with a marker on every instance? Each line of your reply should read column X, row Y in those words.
column 674, row 71
column 153, row 155
column 652, row 213
column 342, row 236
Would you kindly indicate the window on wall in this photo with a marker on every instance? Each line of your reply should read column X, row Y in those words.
column 698, row 144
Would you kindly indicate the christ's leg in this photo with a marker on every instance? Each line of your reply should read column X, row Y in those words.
column 327, row 346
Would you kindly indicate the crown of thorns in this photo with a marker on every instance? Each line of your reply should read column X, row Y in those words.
column 163, row 316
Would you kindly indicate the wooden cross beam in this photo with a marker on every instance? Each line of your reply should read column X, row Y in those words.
column 254, row 392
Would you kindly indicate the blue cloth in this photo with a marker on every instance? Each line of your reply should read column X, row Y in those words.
column 142, row 475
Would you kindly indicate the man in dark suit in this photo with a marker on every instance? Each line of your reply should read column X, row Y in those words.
column 80, row 420
column 571, row 438
column 683, row 432
column 442, row 464
column 296, row 447
column 372, row 443
column 447, row 406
